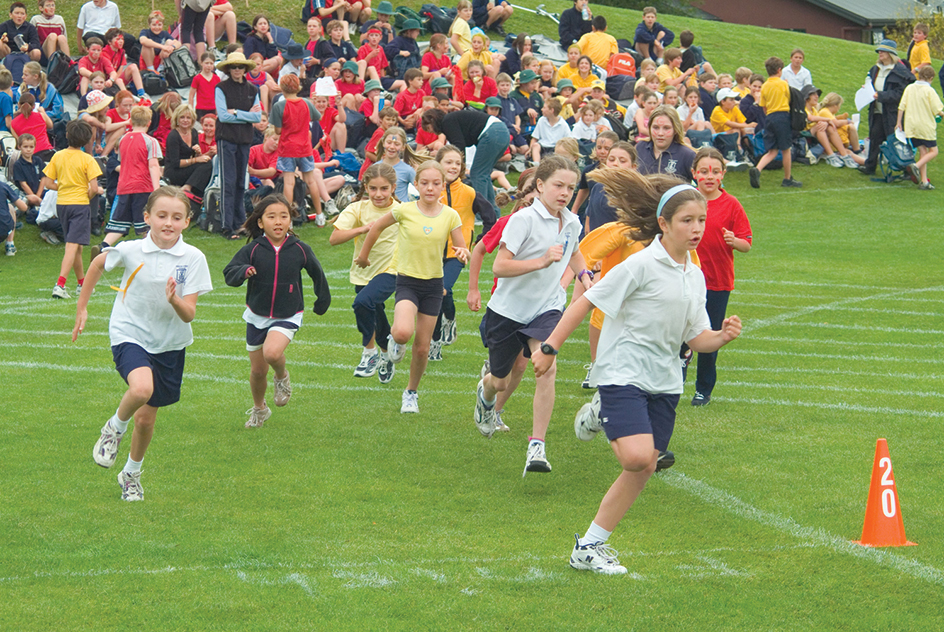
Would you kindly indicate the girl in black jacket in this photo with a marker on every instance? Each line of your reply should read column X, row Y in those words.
column 273, row 261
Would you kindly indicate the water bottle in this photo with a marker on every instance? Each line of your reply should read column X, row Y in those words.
column 586, row 11
column 20, row 42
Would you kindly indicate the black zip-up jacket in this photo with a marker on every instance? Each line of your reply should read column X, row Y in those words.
column 275, row 291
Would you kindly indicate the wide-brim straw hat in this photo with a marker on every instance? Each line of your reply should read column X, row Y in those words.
column 236, row 59
column 97, row 101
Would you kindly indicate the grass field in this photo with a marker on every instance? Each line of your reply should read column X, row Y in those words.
column 341, row 514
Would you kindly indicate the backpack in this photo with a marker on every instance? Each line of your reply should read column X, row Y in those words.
column 211, row 219
column 797, row 111
column 620, row 87
column 401, row 64
column 727, row 144
column 180, row 68
column 621, row 64
column 402, row 14
column 14, row 62
column 63, row 72
column 308, row 10
column 438, row 20
column 618, row 128
column 281, row 36
column 349, row 164
column 154, row 84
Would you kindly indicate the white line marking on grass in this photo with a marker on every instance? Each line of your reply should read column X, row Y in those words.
column 439, row 578
column 838, row 389
column 849, row 343
column 792, row 370
column 363, row 580
column 710, row 567
column 889, row 330
column 828, row 356
column 732, row 504
column 854, row 408
column 292, row 578
column 818, row 284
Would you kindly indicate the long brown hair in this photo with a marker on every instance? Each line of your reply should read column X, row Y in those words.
column 378, row 170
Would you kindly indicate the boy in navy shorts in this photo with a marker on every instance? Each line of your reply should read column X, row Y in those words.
column 149, row 327
column 778, row 130
column 139, row 176
column 74, row 174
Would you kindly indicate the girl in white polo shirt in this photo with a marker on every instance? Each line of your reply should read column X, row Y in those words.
column 653, row 301
column 149, row 325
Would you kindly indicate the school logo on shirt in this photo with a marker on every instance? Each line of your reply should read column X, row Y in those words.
column 180, row 274
column 428, row 230
column 670, row 166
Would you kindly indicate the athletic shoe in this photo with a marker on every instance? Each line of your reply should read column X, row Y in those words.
column 587, row 423
column 701, row 400
column 94, row 251
column 106, row 448
column 282, row 390
column 834, row 160
column 914, row 173
column 486, row 368
column 484, row 414
column 449, row 333
column 849, row 161
column 11, row 249
column 410, row 402
column 926, row 186
column 499, row 424
column 536, row 460
column 435, row 351
column 385, row 368
column 60, row 292
column 790, row 183
column 598, row 557
column 754, row 175
column 130, row 482
column 258, row 416
column 344, row 197
column 320, row 220
column 49, row 237
column 331, row 208
column 395, row 351
column 586, row 380
column 665, row 461
column 368, row 365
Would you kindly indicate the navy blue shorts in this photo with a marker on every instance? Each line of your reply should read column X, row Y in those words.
column 426, row 294
column 629, row 410
column 128, row 211
column 920, row 142
column 255, row 337
column 519, row 141
column 76, row 222
column 778, row 131
column 167, row 370
column 506, row 338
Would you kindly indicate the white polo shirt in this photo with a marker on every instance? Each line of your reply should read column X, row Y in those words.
column 93, row 19
column 143, row 316
column 528, row 235
column 652, row 305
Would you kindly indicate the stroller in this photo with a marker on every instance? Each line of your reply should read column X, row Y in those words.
column 896, row 156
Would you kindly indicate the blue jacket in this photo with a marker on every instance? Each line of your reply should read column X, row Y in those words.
column 647, row 36
column 572, row 27
column 52, row 103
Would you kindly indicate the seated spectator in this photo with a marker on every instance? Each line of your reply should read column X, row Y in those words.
column 528, row 96
column 565, row 90
column 94, row 112
column 119, row 120
column 156, row 43
column 28, row 176
column 796, row 75
column 315, row 34
column 51, row 29
column 220, row 22
column 479, row 87
column 293, row 63
column 350, row 87
column 409, row 101
column 641, row 120
column 640, row 91
column 585, row 129
column 383, row 12
column 548, row 73
column 207, row 136
column 583, row 80
column 671, row 97
column 260, row 41
column 388, row 119
column 670, row 73
column 665, row 151
column 652, row 37
column 403, row 52
column 436, row 62
column 334, row 45
column 511, row 112
column 94, row 61
column 598, row 93
column 825, row 130
column 460, row 32
column 690, row 113
column 329, row 11
column 371, row 106
column 428, row 141
column 727, row 117
column 6, row 99
column 848, row 135
column 17, row 27
column 32, row 119
column 575, row 22
column 707, row 85
column 512, row 63
column 95, row 18
column 598, row 45
column 490, row 15
column 372, row 61
column 333, row 126
column 570, row 69
column 479, row 51
column 742, row 81
column 264, row 158
column 692, row 56
column 125, row 72
column 549, row 129
column 35, row 82
column 749, row 105
column 161, row 114
column 184, row 165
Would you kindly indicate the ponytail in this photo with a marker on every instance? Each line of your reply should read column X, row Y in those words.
column 34, row 68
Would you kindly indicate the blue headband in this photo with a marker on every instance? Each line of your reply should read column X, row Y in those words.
column 668, row 195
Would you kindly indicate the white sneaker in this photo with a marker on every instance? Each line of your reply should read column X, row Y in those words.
column 449, row 333
column 435, row 351
column 598, row 557
column 368, row 364
column 587, row 422
column 834, row 161
column 258, row 416
column 536, row 460
column 395, row 351
column 331, row 208
column 60, row 292
column 586, row 380
column 385, row 368
column 106, row 448
column 484, row 414
column 130, row 482
column 410, row 402
column 282, row 389
column 320, row 220
column 499, row 424
column 486, row 368
column 849, row 161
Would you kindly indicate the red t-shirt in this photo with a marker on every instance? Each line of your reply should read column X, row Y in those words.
column 117, row 58
column 103, row 65
column 328, row 118
column 379, row 61
column 717, row 257
column 489, row 89
column 34, row 125
column 425, row 138
column 162, row 131
column 295, row 139
column 258, row 159
column 206, row 91
column 114, row 117
column 202, row 141
column 372, row 148
column 492, row 238
column 367, row 108
column 406, row 103
column 430, row 62
column 345, row 88
column 135, row 149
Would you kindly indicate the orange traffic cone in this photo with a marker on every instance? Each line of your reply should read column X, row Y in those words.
column 883, row 523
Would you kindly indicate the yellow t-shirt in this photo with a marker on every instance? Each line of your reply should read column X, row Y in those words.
column 720, row 118
column 775, row 95
column 485, row 57
column 920, row 54
column 920, row 103
column 461, row 28
column 742, row 92
column 581, row 82
column 460, row 197
column 599, row 47
column 72, row 169
column 422, row 240
column 384, row 252
column 567, row 110
column 567, row 72
column 666, row 72
column 842, row 131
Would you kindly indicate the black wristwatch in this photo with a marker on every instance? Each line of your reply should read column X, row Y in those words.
column 547, row 349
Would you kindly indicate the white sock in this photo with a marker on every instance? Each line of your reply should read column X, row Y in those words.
column 370, row 353
column 132, row 466
column 595, row 534
column 119, row 425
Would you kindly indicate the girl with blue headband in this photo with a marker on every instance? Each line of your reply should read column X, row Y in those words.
column 652, row 302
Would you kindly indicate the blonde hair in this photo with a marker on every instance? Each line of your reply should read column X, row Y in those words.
column 183, row 108
column 830, row 100
column 411, row 157
column 568, row 147
column 425, row 166
column 36, row 70
column 742, row 73
column 171, row 192
column 140, row 116
column 544, row 64
column 463, row 4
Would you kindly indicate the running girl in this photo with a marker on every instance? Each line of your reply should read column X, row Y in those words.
column 273, row 262
column 372, row 285
column 425, row 227
column 149, row 327
column 727, row 229
column 637, row 369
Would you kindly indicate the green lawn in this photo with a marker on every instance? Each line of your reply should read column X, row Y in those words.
column 342, row 514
